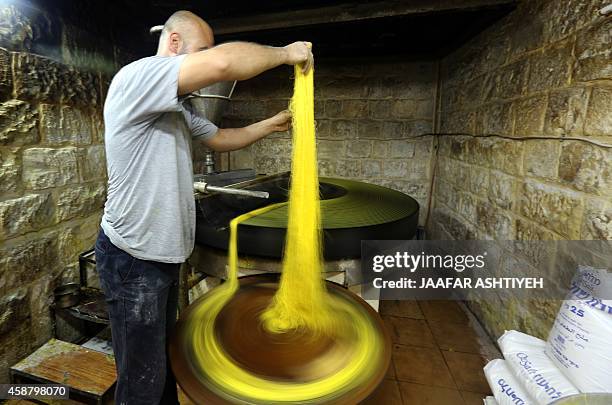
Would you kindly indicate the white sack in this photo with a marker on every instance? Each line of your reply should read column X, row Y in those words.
column 580, row 341
column 504, row 385
column 526, row 357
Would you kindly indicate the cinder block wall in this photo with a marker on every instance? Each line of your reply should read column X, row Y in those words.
column 367, row 115
column 544, row 70
column 52, row 167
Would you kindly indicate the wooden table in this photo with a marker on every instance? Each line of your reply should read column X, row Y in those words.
column 90, row 375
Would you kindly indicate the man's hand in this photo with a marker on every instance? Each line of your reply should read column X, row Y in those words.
column 280, row 122
column 300, row 53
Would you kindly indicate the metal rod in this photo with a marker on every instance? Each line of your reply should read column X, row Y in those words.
column 203, row 187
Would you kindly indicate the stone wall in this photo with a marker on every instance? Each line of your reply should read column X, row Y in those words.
column 367, row 115
column 545, row 70
column 52, row 173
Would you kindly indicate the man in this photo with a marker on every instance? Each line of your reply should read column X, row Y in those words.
column 148, row 226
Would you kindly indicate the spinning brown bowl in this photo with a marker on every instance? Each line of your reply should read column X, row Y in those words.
column 272, row 356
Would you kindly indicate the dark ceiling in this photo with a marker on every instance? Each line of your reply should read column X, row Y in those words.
column 416, row 28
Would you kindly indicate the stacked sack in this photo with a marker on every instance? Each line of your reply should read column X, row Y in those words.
column 576, row 358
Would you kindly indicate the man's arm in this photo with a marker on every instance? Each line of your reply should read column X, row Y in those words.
column 229, row 139
column 238, row 61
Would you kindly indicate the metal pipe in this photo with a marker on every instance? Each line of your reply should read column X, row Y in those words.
column 203, row 187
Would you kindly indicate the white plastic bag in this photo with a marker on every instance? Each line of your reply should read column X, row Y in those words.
column 526, row 357
column 580, row 341
column 505, row 386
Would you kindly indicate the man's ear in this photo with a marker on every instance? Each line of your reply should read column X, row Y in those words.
column 175, row 43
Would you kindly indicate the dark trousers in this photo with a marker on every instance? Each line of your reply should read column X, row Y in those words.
column 142, row 298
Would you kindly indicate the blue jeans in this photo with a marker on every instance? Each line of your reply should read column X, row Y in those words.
column 142, row 299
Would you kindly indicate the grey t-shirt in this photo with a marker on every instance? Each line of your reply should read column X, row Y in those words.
column 150, row 209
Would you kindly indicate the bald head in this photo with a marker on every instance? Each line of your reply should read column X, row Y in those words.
column 184, row 32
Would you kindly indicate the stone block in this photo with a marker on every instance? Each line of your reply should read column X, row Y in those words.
column 331, row 149
column 597, row 220
column 550, row 69
column 565, row 18
column 501, row 154
column 348, row 168
column 599, row 120
column 278, row 147
column 242, row 159
column 97, row 127
column 526, row 28
column 38, row 78
column 45, row 167
column 371, row 129
column 327, row 167
column 415, row 190
column 380, row 149
column 530, row 231
column 75, row 239
column 372, row 168
column 495, row 118
column 541, row 158
column 41, row 298
column 509, row 81
column 413, row 128
column 6, row 75
column 340, row 88
column 24, row 214
column 14, row 310
column 566, row 111
column 358, row 148
column 354, row 109
column 540, row 255
column 555, row 208
column 323, row 129
column 395, row 168
column 265, row 164
column 455, row 227
column 502, row 190
column 80, row 201
column 404, row 109
column 478, row 181
column 586, row 168
column 380, row 109
column 466, row 206
column 529, row 116
column 593, row 53
column 18, row 123
column 458, row 122
column 10, row 170
column 319, row 109
column 333, row 109
column 247, row 109
column 495, row 221
column 343, row 129
column 92, row 163
column 402, row 149
column 64, row 125
column 23, row 258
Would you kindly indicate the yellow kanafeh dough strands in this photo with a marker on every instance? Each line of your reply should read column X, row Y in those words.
column 301, row 302
column 301, row 298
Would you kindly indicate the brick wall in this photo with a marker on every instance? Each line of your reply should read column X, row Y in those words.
column 367, row 116
column 52, row 170
column 543, row 70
